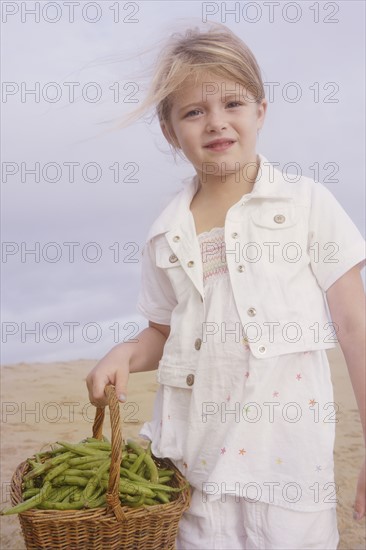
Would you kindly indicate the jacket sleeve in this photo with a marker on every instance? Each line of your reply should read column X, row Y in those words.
column 156, row 299
column 335, row 243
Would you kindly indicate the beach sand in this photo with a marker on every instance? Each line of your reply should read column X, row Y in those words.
column 46, row 402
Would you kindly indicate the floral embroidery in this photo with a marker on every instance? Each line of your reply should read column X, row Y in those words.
column 275, row 394
column 242, row 451
column 318, row 468
column 312, row 402
column 223, row 451
column 185, row 465
column 298, row 376
column 247, row 374
column 228, row 398
column 278, row 460
column 203, row 462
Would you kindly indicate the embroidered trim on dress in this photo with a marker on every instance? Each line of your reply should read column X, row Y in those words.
column 213, row 253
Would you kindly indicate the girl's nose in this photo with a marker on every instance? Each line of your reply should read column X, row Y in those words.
column 215, row 122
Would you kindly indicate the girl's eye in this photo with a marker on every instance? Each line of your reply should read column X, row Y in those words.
column 235, row 103
column 190, row 112
column 197, row 110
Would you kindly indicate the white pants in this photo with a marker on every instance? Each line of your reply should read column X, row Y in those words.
column 255, row 525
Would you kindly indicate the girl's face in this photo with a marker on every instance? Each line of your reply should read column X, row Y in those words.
column 216, row 109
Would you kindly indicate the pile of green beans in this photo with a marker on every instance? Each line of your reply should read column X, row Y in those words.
column 75, row 476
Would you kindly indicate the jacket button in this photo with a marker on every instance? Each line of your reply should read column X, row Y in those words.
column 190, row 263
column 173, row 258
column 262, row 349
column 198, row 343
column 279, row 218
column 176, row 238
column 251, row 312
column 190, row 379
column 241, row 268
column 235, row 235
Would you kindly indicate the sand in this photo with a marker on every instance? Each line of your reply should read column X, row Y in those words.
column 45, row 402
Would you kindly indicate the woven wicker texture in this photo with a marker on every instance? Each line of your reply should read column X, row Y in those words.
column 112, row 527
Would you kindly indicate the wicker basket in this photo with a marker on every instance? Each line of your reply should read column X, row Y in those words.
column 114, row 526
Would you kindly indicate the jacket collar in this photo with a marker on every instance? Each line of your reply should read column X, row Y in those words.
column 269, row 184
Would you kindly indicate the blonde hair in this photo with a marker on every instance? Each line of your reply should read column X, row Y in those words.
column 217, row 51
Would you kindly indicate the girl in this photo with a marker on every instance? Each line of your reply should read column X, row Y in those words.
column 236, row 275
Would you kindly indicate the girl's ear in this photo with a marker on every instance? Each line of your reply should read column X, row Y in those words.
column 261, row 110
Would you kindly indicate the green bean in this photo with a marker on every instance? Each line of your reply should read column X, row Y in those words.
column 165, row 472
column 166, row 488
column 83, row 449
column 152, row 468
column 131, row 456
column 163, row 497
column 70, row 480
column 136, row 465
column 81, row 473
column 95, row 497
column 151, row 502
column 50, row 505
column 30, row 493
column 129, row 498
column 29, row 484
column 164, row 479
column 95, row 440
column 95, row 480
column 130, row 487
column 58, row 494
column 31, row 502
column 90, row 465
column 132, row 476
column 77, row 461
column 127, row 463
column 41, row 468
column 102, row 445
column 69, row 495
column 76, row 494
column 138, row 503
column 54, row 472
column 142, row 469
column 135, row 447
column 96, row 503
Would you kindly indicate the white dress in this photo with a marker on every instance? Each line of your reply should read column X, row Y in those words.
column 262, row 429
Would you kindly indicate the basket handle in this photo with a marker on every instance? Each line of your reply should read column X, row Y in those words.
column 112, row 495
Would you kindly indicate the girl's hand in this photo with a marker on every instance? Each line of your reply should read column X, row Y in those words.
column 107, row 371
column 360, row 501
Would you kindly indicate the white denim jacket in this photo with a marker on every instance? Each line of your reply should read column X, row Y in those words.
column 286, row 242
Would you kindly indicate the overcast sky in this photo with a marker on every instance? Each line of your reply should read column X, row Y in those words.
column 321, row 51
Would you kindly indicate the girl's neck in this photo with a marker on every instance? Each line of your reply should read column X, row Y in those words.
column 228, row 188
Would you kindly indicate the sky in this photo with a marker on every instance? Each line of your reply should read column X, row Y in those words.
column 78, row 201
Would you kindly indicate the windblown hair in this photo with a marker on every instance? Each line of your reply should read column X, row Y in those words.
column 196, row 53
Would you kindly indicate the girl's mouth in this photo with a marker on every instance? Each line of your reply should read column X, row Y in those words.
column 220, row 146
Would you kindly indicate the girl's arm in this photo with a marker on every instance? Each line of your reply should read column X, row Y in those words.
column 346, row 300
column 115, row 367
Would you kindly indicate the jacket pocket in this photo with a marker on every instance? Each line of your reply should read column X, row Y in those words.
column 165, row 258
column 172, row 267
column 275, row 217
